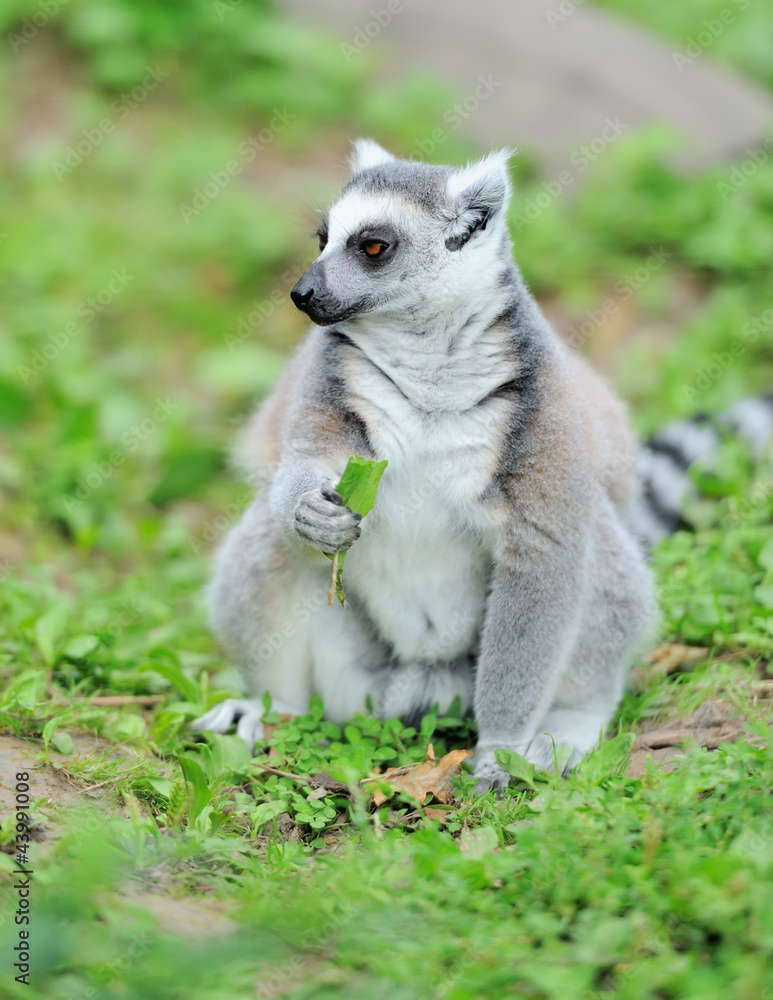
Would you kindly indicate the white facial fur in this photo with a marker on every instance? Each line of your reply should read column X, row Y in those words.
column 424, row 277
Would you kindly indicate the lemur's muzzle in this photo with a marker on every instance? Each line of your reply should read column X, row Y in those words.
column 312, row 296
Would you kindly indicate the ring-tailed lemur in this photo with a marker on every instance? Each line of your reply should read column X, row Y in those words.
column 500, row 562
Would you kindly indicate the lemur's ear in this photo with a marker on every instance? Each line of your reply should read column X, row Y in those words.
column 477, row 194
column 367, row 153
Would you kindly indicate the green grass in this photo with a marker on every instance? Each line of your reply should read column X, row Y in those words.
column 114, row 489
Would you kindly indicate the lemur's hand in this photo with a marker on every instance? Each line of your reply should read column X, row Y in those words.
column 322, row 520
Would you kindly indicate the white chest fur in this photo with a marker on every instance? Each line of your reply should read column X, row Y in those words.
column 422, row 564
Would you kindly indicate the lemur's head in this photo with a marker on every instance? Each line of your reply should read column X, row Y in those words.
column 406, row 237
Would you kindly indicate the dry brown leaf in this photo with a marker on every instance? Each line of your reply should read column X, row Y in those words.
column 441, row 815
column 433, row 777
column 323, row 780
column 669, row 657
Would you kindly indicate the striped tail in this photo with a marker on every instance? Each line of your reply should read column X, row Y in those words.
column 663, row 462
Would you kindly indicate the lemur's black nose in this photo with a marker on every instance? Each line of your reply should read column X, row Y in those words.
column 302, row 293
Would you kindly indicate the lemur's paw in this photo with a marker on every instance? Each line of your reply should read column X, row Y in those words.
column 545, row 754
column 488, row 772
column 245, row 713
column 323, row 521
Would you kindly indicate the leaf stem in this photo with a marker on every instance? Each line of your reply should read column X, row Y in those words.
column 331, row 592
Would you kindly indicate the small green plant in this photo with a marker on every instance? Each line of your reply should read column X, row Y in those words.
column 357, row 488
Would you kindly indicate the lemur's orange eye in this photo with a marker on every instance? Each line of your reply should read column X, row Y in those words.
column 373, row 249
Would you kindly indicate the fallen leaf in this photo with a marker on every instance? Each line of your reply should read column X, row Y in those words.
column 668, row 659
column 323, row 780
column 433, row 777
column 441, row 815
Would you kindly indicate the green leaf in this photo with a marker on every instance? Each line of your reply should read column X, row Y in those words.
column 194, row 776
column 79, row 646
column 610, row 758
column 162, row 786
column 188, row 688
column 352, row 734
column 515, row 765
column 359, row 483
column 124, row 728
column 230, row 755
column 186, row 472
column 7, row 863
column 764, row 595
column 26, row 691
column 267, row 811
column 49, row 729
column 48, row 630
column 62, row 743
column 15, row 404
column 765, row 558
column 358, row 487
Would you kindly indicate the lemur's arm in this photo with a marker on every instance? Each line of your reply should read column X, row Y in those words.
column 318, row 439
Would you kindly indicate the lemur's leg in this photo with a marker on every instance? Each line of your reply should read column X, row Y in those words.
column 410, row 691
column 559, row 630
column 617, row 616
column 261, row 600
column 352, row 667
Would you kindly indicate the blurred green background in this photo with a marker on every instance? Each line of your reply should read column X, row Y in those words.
column 136, row 267
column 162, row 172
